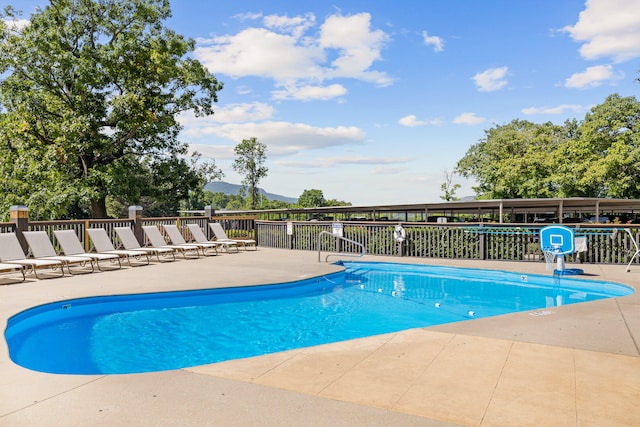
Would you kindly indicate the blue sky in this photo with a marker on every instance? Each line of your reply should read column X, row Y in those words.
column 373, row 102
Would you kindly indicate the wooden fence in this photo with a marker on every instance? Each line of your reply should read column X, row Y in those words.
column 604, row 244
column 610, row 244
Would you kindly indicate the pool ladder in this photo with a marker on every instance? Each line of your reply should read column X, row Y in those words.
column 340, row 238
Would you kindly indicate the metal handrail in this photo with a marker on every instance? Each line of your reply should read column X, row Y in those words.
column 363, row 253
column 637, row 248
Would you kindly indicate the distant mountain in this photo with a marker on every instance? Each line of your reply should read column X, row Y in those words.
column 234, row 189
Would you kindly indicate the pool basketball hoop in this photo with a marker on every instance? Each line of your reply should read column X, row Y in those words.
column 556, row 241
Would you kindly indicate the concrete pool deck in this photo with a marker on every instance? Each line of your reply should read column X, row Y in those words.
column 573, row 365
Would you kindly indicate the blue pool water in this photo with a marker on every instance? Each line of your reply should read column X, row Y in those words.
column 153, row 332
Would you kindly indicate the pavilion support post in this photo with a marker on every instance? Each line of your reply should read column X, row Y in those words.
column 483, row 244
column 19, row 215
column 560, row 211
column 135, row 214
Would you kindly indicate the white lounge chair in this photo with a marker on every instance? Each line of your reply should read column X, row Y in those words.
column 177, row 239
column 221, row 236
column 103, row 245
column 11, row 253
column 12, row 268
column 156, row 240
column 130, row 243
column 42, row 248
column 200, row 237
column 71, row 245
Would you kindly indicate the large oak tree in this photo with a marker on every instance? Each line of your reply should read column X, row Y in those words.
column 596, row 157
column 90, row 91
column 514, row 160
column 603, row 160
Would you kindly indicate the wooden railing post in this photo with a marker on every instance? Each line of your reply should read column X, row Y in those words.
column 135, row 214
column 85, row 235
column 19, row 215
column 209, row 212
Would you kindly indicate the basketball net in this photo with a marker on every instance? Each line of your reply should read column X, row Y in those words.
column 549, row 257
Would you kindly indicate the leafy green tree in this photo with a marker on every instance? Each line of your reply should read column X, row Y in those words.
column 176, row 185
column 89, row 96
column 449, row 188
column 250, row 159
column 312, row 199
column 221, row 200
column 236, row 203
column 515, row 160
column 335, row 202
column 275, row 204
column 218, row 200
column 596, row 157
column 603, row 160
column 177, row 182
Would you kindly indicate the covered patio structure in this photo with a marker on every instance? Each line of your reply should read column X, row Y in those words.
column 559, row 210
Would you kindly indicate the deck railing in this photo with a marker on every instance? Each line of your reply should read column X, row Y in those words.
column 234, row 227
column 609, row 244
column 453, row 241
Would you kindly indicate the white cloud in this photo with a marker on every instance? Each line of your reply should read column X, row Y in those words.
column 230, row 113
column 468, row 119
column 295, row 26
column 243, row 112
column 591, row 77
column 263, row 53
column 249, row 16
column 281, row 138
column 344, row 47
column 412, row 121
column 16, row 24
column 435, row 41
column 609, row 29
column 386, row 170
column 216, row 152
column 491, row 79
column 303, row 164
column 325, row 162
column 357, row 45
column 307, row 93
column 560, row 109
column 362, row 160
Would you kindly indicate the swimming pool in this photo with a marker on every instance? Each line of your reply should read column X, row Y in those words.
column 171, row 330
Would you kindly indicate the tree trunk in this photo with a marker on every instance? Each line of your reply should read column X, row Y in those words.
column 99, row 208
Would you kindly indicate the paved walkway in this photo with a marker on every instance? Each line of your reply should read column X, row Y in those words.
column 577, row 365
